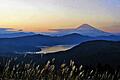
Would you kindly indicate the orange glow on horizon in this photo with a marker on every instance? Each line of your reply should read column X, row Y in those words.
column 42, row 15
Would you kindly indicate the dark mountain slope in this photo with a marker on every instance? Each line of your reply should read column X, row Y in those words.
column 90, row 52
column 98, row 46
column 87, row 53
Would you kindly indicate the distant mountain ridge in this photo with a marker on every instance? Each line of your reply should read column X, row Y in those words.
column 45, row 40
column 67, row 37
column 85, row 29
column 16, row 34
column 38, row 41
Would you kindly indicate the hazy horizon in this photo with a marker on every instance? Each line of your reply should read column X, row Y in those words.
column 42, row 15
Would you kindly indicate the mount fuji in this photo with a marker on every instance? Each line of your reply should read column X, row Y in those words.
column 85, row 29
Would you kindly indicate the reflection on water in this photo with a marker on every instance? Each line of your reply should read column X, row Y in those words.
column 55, row 48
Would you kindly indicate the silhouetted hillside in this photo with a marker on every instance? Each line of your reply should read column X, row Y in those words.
column 90, row 52
column 87, row 53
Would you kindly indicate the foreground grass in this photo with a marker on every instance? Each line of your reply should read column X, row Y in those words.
column 9, row 70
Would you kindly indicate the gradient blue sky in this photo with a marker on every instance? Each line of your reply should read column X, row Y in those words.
column 41, row 15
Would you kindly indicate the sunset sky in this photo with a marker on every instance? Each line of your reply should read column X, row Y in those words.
column 41, row 15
